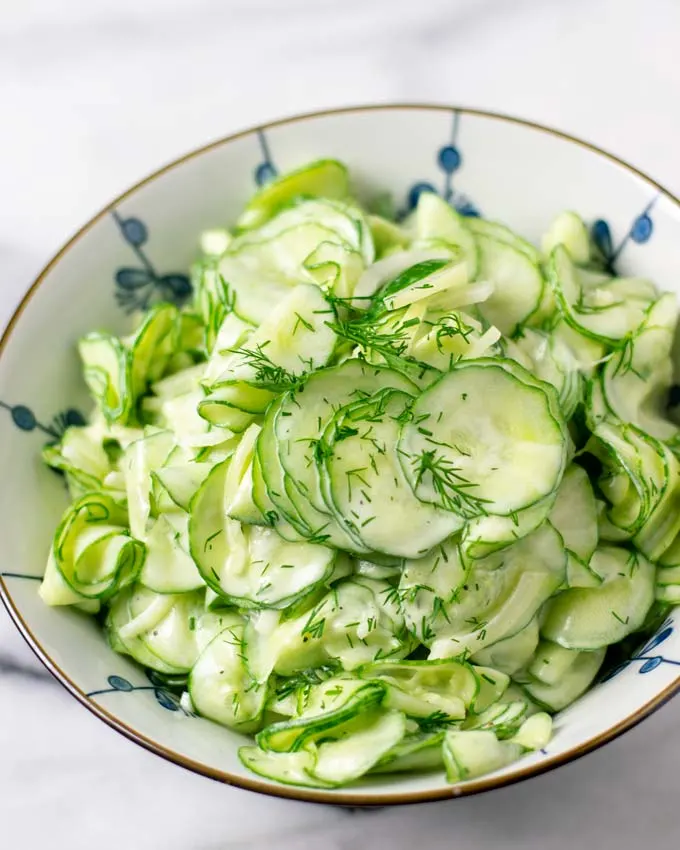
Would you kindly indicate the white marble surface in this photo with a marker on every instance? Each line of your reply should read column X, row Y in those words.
column 95, row 94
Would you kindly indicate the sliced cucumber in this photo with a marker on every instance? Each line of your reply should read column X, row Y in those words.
column 481, row 441
column 220, row 686
column 326, row 178
column 595, row 617
column 573, row 682
column 517, row 283
column 472, row 753
column 365, row 485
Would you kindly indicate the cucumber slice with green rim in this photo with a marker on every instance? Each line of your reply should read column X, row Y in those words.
column 371, row 737
column 434, row 218
column 417, row 751
column 302, row 419
column 286, row 768
column 481, row 441
column 168, row 566
column 294, row 339
column 635, row 380
column 152, row 346
column 340, row 702
column 574, row 682
column 252, row 292
column 356, row 622
column 517, row 283
column 472, row 753
column 93, row 550
column 107, row 375
column 513, row 653
column 81, row 456
column 344, row 221
column 326, row 178
column 250, row 566
column 140, row 458
column 364, row 483
column 496, row 599
column 595, row 617
column 597, row 313
column 552, row 663
column 568, row 229
column 437, row 691
column 387, row 235
column 220, row 685
column 574, row 513
column 391, row 268
column 486, row 534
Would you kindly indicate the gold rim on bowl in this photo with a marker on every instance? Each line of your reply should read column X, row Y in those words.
column 341, row 798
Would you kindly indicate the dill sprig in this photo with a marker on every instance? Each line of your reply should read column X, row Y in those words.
column 268, row 375
column 451, row 488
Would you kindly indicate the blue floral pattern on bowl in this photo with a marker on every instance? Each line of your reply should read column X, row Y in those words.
column 166, row 698
column 649, row 662
column 639, row 232
column 449, row 159
column 139, row 286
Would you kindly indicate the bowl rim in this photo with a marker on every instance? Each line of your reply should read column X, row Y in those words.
column 339, row 798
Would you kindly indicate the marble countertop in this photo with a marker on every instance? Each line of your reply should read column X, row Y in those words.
column 94, row 95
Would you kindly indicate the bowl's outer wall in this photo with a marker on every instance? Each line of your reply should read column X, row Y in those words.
column 505, row 169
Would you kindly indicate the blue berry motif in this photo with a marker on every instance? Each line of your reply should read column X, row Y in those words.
column 140, row 286
column 160, row 687
column 449, row 160
column 639, row 232
column 25, row 420
column 266, row 171
column 649, row 661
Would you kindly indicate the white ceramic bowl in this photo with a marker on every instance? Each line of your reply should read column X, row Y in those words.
column 141, row 245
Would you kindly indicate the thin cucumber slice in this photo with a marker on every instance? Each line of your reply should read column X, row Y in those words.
column 365, row 485
column 357, row 622
column 379, row 274
column 107, row 375
column 481, row 441
column 591, row 618
column 517, row 283
column 434, row 218
column 80, row 454
column 568, row 229
column 551, row 360
column 572, row 683
column 336, row 706
column 387, row 236
column 93, row 550
column 220, row 685
column 252, row 292
column 181, row 480
column 168, row 566
column 635, row 380
column 574, row 513
column 299, row 427
column 416, row 752
column 373, row 736
column 152, row 346
column 484, row 535
column 513, row 653
column 596, row 313
column 326, row 178
column 472, row 753
column 552, row 663
column 343, row 220
column 286, row 768
column 250, row 566
column 440, row 691
column 498, row 598
column 294, row 339
column 140, row 458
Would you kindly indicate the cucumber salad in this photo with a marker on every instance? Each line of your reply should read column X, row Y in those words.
column 385, row 494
